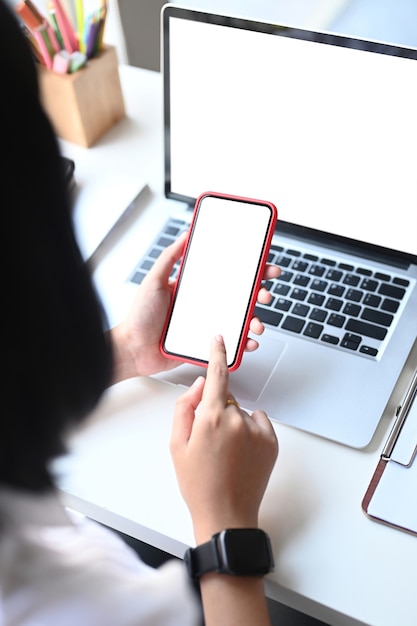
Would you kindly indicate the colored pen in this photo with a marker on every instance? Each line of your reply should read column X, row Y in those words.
column 55, row 27
column 39, row 34
column 56, row 47
column 79, row 11
column 32, row 43
column 34, row 9
column 29, row 18
column 65, row 28
column 103, row 12
column 92, row 38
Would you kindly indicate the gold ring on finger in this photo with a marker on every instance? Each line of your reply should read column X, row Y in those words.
column 230, row 401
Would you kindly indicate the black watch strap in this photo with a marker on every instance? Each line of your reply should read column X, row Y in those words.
column 238, row 552
column 202, row 559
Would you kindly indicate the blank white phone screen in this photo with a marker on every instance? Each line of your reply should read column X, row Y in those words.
column 218, row 278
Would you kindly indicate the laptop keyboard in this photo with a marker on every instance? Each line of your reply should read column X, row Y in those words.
column 339, row 304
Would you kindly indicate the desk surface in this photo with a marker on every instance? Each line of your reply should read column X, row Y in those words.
column 332, row 562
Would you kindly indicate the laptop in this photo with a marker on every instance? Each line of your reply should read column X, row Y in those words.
column 325, row 127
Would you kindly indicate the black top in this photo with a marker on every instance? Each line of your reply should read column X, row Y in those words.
column 56, row 357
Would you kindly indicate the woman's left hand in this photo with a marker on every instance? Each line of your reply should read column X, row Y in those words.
column 136, row 339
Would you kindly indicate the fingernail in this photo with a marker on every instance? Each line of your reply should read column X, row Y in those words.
column 197, row 381
column 219, row 339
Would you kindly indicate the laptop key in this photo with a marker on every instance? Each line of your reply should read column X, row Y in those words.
column 334, row 275
column 282, row 304
column 391, row 291
column 154, row 253
column 281, row 289
column 336, row 290
column 336, row 320
column 285, row 276
column 317, row 270
column 352, row 280
column 354, row 294
column 301, row 280
column 334, row 304
column 364, row 328
column 368, row 350
column 401, row 281
column 351, row 341
column 319, row 315
column 172, row 230
column 313, row 330
column 146, row 265
column 319, row 285
column 371, row 299
column 300, row 309
column 179, row 222
column 138, row 277
column 299, row 266
column 363, row 271
column 352, row 309
column 381, row 276
column 299, row 294
column 283, row 261
column 330, row 339
column 316, row 298
column 294, row 324
column 378, row 317
column 267, row 316
column 390, row 305
column 369, row 285
column 164, row 242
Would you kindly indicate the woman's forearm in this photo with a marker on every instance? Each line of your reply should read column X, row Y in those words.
column 230, row 600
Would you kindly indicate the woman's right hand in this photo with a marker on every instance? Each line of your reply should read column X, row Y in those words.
column 223, row 456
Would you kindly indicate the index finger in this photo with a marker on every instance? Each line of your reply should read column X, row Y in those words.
column 271, row 271
column 217, row 380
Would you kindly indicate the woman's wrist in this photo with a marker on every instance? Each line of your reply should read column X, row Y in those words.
column 204, row 530
column 124, row 365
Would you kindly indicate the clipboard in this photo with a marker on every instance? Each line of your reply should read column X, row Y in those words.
column 391, row 497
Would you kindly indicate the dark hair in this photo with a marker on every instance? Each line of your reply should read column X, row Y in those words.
column 56, row 356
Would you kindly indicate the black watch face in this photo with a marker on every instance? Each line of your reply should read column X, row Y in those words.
column 246, row 551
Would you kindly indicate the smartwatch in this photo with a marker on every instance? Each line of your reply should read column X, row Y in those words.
column 235, row 551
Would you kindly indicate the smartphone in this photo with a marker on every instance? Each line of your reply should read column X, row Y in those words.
column 219, row 277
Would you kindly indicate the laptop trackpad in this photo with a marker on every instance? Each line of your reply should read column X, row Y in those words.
column 248, row 382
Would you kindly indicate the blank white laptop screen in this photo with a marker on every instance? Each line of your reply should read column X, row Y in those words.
column 286, row 119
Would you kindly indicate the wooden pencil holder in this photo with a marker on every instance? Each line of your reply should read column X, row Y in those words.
column 84, row 105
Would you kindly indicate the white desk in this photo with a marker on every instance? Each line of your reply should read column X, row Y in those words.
column 332, row 562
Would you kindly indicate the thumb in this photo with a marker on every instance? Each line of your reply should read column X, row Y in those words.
column 162, row 267
column 184, row 413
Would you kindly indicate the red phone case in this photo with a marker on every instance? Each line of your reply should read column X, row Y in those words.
column 252, row 302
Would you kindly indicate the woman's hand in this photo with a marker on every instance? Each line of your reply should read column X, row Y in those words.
column 223, row 456
column 136, row 339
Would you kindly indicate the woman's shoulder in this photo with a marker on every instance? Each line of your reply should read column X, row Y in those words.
column 69, row 569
